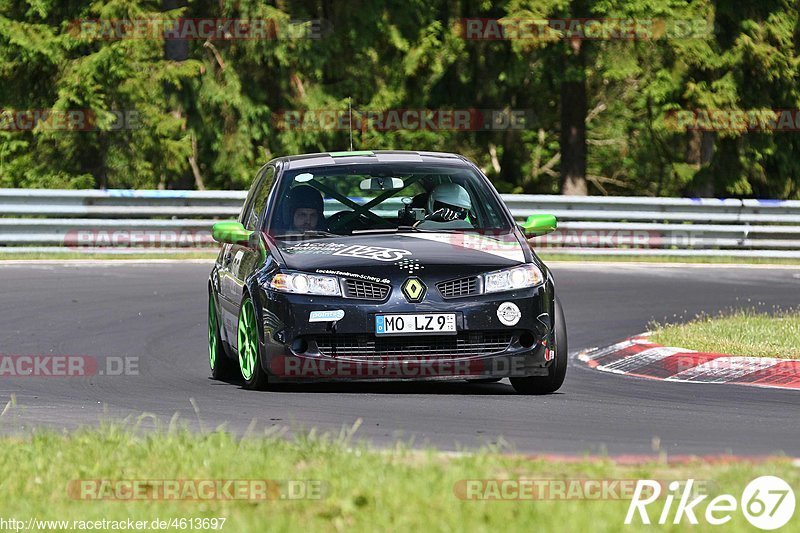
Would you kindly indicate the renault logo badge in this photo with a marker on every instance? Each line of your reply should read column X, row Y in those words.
column 414, row 289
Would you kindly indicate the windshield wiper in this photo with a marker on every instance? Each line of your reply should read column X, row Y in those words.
column 319, row 233
column 399, row 229
column 308, row 233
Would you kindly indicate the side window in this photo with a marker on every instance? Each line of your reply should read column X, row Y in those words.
column 259, row 199
column 248, row 203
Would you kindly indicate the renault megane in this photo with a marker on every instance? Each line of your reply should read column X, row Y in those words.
column 382, row 265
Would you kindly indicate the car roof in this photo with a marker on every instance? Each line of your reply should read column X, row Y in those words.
column 367, row 156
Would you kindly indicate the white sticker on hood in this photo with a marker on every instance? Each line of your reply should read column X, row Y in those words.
column 508, row 248
column 314, row 248
column 346, row 274
column 326, row 316
column 377, row 253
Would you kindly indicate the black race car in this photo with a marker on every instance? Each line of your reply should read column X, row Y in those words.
column 382, row 265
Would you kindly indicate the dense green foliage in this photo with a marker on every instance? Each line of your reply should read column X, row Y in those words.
column 208, row 120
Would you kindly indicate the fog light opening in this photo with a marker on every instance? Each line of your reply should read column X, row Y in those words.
column 527, row 339
column 299, row 345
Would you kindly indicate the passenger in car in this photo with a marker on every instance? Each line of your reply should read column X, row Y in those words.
column 448, row 208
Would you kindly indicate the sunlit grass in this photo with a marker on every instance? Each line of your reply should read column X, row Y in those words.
column 546, row 256
column 740, row 332
column 56, row 256
column 363, row 489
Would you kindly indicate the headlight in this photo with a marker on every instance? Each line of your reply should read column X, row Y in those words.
column 300, row 283
column 510, row 279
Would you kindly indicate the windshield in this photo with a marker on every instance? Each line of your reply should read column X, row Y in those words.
column 377, row 198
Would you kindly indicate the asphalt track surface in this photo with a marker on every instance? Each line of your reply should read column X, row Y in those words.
column 157, row 313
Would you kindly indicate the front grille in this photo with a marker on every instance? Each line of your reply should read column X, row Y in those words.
column 368, row 347
column 458, row 287
column 365, row 290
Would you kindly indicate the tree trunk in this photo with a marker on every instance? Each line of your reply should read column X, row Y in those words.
column 573, row 121
column 175, row 49
column 178, row 50
column 699, row 153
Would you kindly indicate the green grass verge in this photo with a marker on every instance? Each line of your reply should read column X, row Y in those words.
column 57, row 256
column 668, row 259
column 738, row 333
column 362, row 489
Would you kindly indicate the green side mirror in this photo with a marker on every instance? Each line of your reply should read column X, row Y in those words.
column 230, row 232
column 537, row 225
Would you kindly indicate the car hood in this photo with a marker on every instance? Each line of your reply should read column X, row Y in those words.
column 409, row 253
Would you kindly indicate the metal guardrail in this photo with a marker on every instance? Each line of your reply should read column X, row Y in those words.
column 157, row 221
column 121, row 203
column 630, row 208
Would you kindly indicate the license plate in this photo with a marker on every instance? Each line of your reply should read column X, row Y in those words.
column 415, row 324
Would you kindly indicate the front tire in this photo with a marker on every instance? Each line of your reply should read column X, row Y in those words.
column 222, row 367
column 254, row 376
column 558, row 368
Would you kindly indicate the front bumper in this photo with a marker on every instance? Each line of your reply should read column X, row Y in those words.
column 295, row 349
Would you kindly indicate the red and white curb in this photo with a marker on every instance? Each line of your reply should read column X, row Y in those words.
column 641, row 358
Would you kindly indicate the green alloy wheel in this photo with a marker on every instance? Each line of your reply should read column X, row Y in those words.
column 249, row 364
column 221, row 365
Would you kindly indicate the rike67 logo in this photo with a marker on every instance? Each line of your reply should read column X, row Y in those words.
column 767, row 502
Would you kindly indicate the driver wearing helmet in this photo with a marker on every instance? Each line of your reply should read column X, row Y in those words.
column 448, row 208
column 304, row 209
